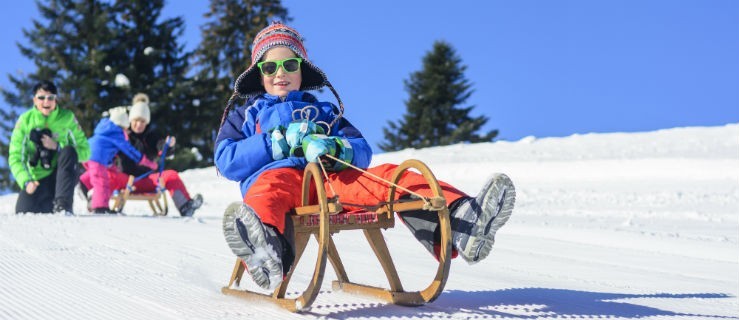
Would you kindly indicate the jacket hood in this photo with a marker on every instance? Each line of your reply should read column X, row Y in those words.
column 107, row 128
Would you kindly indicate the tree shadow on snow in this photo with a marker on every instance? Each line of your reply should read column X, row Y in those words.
column 531, row 303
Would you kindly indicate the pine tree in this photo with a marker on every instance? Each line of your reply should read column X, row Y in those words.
column 157, row 65
column 225, row 51
column 101, row 53
column 433, row 117
column 66, row 47
column 7, row 118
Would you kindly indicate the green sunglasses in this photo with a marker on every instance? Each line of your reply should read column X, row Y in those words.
column 269, row 68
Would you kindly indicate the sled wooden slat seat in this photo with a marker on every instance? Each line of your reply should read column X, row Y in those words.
column 157, row 200
column 327, row 217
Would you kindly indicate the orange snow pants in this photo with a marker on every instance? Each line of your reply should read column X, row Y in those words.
column 277, row 191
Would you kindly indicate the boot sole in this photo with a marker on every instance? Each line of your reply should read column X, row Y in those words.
column 502, row 191
column 264, row 265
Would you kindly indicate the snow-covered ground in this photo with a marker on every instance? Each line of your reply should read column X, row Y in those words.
column 637, row 225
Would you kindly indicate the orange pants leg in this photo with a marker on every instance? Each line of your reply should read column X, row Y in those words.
column 355, row 187
column 278, row 191
column 274, row 194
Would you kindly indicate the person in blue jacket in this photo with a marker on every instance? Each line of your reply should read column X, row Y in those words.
column 107, row 139
column 266, row 143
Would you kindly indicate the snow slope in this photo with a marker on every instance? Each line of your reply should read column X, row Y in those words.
column 638, row 225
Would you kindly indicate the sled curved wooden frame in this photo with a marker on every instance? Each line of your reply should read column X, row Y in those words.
column 325, row 218
column 157, row 200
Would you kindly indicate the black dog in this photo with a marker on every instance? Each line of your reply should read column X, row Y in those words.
column 43, row 154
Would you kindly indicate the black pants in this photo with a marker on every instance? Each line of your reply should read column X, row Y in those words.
column 57, row 188
column 424, row 225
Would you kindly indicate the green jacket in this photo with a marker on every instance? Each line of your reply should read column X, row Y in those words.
column 66, row 131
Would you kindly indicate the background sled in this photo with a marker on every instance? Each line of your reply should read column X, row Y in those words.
column 157, row 199
column 327, row 217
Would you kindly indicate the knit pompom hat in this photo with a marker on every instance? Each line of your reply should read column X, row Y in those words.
column 249, row 83
column 140, row 108
column 119, row 116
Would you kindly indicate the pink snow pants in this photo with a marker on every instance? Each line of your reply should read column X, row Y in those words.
column 100, row 181
column 118, row 180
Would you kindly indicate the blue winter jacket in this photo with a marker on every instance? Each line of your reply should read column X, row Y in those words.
column 244, row 148
column 107, row 139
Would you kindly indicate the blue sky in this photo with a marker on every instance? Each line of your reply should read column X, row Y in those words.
column 541, row 68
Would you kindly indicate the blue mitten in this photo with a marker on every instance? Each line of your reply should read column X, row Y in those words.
column 316, row 145
column 280, row 149
column 297, row 131
column 345, row 152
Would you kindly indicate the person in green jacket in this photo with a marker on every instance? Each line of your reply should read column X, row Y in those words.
column 46, row 148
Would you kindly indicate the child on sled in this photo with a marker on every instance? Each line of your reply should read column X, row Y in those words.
column 266, row 143
column 150, row 144
column 108, row 139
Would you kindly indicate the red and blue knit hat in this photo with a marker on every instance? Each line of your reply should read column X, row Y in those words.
column 249, row 83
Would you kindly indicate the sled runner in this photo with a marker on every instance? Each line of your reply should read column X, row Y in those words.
column 327, row 217
column 157, row 199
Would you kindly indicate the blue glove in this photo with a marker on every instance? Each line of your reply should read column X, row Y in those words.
column 316, row 145
column 280, row 149
column 298, row 130
column 345, row 152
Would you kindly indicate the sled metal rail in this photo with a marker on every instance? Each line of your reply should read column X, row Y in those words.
column 322, row 220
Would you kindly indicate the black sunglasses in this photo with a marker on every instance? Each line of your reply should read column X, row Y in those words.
column 50, row 97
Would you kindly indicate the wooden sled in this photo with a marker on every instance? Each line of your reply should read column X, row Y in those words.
column 326, row 218
column 157, row 200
